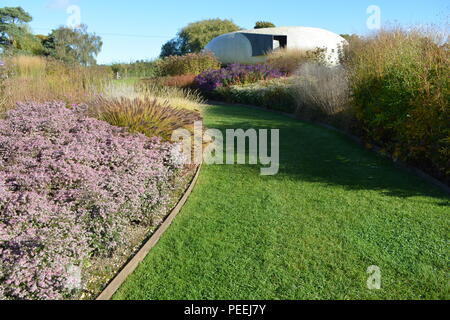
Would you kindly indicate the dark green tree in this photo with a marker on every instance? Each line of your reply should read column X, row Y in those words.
column 172, row 48
column 73, row 45
column 264, row 24
column 14, row 31
column 195, row 36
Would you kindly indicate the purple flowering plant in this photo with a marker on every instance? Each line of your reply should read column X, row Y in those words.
column 70, row 186
column 235, row 74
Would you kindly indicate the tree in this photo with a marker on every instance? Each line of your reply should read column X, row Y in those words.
column 172, row 48
column 195, row 36
column 73, row 45
column 350, row 37
column 27, row 43
column 14, row 32
column 264, row 24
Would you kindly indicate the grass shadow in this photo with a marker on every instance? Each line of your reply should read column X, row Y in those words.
column 315, row 154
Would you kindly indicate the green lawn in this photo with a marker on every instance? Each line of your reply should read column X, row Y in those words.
column 310, row 232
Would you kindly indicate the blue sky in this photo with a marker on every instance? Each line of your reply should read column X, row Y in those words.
column 136, row 29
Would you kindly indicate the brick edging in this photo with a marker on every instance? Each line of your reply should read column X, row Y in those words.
column 129, row 268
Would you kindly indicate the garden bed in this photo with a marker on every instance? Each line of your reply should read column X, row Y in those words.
column 77, row 197
column 103, row 271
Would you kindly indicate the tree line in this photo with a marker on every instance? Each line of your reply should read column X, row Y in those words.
column 66, row 44
column 80, row 46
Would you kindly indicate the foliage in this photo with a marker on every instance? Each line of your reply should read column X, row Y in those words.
column 190, row 64
column 139, row 69
column 3, row 77
column 144, row 116
column 26, row 66
column 73, row 45
column 322, row 88
column 289, row 60
column 264, row 24
column 351, row 37
column 195, row 36
column 401, row 95
column 173, row 47
column 184, row 81
column 13, row 28
column 41, row 79
column 274, row 94
column 235, row 74
column 70, row 186
column 66, row 44
column 175, row 97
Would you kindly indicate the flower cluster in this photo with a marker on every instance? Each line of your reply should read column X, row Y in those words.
column 70, row 186
column 235, row 74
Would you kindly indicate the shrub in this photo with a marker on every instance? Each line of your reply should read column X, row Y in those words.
column 235, row 74
column 289, row 60
column 264, row 24
column 275, row 95
column 184, row 81
column 190, row 64
column 70, row 186
column 135, row 69
column 144, row 116
column 322, row 88
column 401, row 95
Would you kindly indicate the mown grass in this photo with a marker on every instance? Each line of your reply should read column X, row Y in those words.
column 310, row 232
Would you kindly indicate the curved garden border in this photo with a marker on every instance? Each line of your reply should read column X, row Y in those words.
column 134, row 262
column 400, row 164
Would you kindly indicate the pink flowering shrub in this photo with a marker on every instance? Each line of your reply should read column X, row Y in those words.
column 69, row 188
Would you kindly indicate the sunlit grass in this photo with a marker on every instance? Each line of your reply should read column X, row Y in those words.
column 310, row 232
column 175, row 97
column 38, row 79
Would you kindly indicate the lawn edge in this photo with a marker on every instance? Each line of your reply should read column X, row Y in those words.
column 134, row 262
